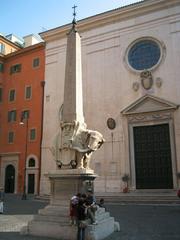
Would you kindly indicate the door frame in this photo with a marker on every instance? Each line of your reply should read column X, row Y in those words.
column 7, row 159
column 30, row 182
column 172, row 145
column 14, row 177
column 32, row 170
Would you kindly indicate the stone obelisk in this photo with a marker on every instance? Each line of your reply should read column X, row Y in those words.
column 75, row 143
column 72, row 151
column 73, row 99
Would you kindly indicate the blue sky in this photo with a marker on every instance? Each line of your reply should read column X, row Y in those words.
column 23, row 17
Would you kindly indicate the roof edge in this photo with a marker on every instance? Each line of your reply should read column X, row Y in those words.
column 110, row 16
column 20, row 51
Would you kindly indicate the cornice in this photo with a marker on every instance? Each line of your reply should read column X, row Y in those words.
column 24, row 50
column 7, row 41
column 162, row 104
column 119, row 14
column 9, row 154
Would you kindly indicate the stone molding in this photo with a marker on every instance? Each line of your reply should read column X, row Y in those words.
column 150, row 117
column 149, row 104
column 119, row 14
column 150, row 110
column 9, row 159
column 161, row 45
column 10, row 154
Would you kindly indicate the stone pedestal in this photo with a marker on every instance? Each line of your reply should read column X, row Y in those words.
column 53, row 221
column 68, row 182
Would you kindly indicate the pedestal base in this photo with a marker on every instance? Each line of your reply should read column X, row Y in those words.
column 53, row 221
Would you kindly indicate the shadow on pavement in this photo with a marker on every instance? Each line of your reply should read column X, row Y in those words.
column 14, row 205
column 17, row 236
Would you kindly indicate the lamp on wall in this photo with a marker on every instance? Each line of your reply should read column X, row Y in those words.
column 24, row 120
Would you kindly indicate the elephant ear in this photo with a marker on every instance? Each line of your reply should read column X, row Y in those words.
column 95, row 141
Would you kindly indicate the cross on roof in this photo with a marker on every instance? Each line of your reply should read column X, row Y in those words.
column 74, row 13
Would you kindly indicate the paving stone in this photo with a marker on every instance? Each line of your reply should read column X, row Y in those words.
column 138, row 222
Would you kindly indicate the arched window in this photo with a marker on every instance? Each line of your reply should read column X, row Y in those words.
column 31, row 162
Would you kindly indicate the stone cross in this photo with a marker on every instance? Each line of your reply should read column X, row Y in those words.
column 74, row 14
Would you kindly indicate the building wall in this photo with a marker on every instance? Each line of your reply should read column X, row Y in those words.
column 16, row 152
column 9, row 47
column 108, row 84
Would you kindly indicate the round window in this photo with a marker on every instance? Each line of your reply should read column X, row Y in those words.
column 144, row 54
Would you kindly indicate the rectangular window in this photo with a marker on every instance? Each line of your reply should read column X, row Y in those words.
column 2, row 48
column 12, row 94
column 36, row 62
column 1, row 67
column 1, row 94
column 32, row 134
column 15, row 68
column 25, row 115
column 28, row 92
column 10, row 137
column 12, row 116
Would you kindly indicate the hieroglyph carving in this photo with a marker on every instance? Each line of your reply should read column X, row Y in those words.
column 74, row 145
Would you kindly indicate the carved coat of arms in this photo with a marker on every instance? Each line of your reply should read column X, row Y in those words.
column 146, row 79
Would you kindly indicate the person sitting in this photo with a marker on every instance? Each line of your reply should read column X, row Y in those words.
column 101, row 203
column 90, row 204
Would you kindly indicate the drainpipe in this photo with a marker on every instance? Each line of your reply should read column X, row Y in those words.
column 42, row 114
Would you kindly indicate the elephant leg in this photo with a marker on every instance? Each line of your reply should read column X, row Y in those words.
column 86, row 160
column 79, row 157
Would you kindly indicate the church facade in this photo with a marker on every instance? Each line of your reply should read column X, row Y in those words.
column 131, row 94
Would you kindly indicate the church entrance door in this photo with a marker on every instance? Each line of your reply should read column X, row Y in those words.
column 153, row 166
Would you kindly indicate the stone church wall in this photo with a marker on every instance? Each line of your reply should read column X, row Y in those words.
column 110, row 85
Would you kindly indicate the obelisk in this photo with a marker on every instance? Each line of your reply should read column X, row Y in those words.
column 73, row 99
column 72, row 115
column 75, row 143
column 72, row 151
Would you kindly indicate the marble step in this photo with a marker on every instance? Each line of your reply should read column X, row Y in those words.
column 101, row 230
column 129, row 198
column 52, row 210
column 52, row 230
column 102, row 216
column 67, row 232
column 52, row 218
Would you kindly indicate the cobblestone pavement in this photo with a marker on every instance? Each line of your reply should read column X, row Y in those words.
column 138, row 222
column 147, row 222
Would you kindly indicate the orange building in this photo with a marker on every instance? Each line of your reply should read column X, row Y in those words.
column 21, row 111
column 7, row 46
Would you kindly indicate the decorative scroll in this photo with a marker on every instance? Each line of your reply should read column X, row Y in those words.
column 149, row 117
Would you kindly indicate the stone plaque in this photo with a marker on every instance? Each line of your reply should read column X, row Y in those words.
column 111, row 123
